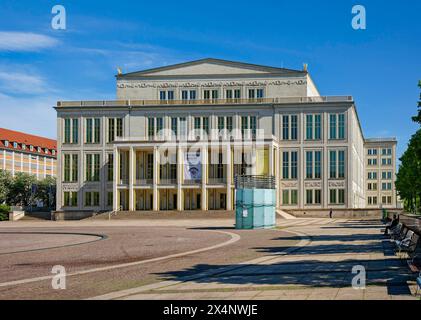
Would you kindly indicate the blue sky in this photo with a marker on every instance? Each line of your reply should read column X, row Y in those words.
column 379, row 66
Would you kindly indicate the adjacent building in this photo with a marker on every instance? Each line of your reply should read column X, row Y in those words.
column 177, row 136
column 22, row 152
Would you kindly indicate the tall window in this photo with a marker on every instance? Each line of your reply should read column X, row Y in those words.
column 71, row 131
column 313, row 196
column 92, row 167
column 151, row 128
column 256, row 93
column 290, row 165
column 210, row 94
column 110, row 167
column 289, row 127
column 71, row 167
column 313, row 164
column 92, row 199
column 166, row 95
column 248, row 123
column 336, row 164
column 188, row 94
column 336, row 126
column 313, row 127
column 92, row 133
column 233, row 94
column 70, row 199
column 115, row 128
column 174, row 126
column 337, row 196
column 289, row 197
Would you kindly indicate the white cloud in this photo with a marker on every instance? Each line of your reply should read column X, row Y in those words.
column 22, row 83
column 35, row 116
column 14, row 41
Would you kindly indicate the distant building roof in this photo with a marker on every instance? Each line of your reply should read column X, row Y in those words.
column 28, row 140
column 373, row 140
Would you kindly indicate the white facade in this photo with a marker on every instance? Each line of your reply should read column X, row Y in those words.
column 112, row 153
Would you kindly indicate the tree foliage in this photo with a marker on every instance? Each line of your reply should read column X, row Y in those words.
column 19, row 190
column 408, row 181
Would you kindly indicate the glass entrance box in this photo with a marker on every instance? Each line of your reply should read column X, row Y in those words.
column 255, row 202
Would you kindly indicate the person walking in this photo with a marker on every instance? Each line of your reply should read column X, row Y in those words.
column 331, row 214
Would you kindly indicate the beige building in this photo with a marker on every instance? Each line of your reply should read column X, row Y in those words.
column 176, row 137
column 22, row 152
column 380, row 173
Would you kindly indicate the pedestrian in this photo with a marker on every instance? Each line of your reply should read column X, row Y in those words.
column 331, row 214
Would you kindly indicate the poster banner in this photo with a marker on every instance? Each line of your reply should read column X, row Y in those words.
column 192, row 166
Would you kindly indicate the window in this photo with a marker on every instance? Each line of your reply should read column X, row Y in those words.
column 151, row 128
column 233, row 94
column 159, row 126
column 188, row 95
column 372, row 162
column 92, row 199
column 110, row 167
column 313, row 164
column 256, row 93
column 15, row 145
column 337, row 126
column 229, row 124
column 313, row 127
column 183, row 127
column 290, row 165
column 336, row 164
column 166, row 95
column 386, row 161
column 6, row 143
column 314, row 196
column 290, row 127
column 290, row 197
column 92, row 133
column 372, row 176
column 92, row 167
column 23, row 146
column 210, row 94
column 372, row 152
column 115, row 128
column 71, row 167
column 109, row 198
column 70, row 199
column 248, row 124
column 174, row 126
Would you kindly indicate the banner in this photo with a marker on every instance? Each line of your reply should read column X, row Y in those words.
column 192, row 166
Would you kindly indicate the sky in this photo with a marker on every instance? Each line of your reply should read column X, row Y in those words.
column 379, row 66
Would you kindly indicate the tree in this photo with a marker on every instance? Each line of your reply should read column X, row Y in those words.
column 46, row 191
column 417, row 118
column 5, row 182
column 20, row 189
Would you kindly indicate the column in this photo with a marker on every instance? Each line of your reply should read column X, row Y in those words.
column 204, row 156
column 270, row 161
column 155, row 178
column 115, row 179
column 229, row 177
column 131, row 177
column 179, row 179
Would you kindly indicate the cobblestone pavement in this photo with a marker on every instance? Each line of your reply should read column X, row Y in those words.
column 319, row 267
column 108, row 256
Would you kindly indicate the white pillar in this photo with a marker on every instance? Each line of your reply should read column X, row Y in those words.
column 180, row 203
column 155, row 178
column 229, row 177
column 115, row 179
column 131, row 177
column 204, row 154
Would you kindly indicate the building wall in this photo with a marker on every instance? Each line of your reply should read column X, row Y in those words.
column 15, row 161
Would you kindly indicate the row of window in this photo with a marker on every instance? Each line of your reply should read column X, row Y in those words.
column 30, row 147
column 385, row 200
column 384, row 152
column 92, row 199
column 372, row 186
column 384, row 162
column 313, row 197
column 92, row 167
column 386, row 175
column 208, row 94
column 200, row 124
column 313, row 160
column 92, row 130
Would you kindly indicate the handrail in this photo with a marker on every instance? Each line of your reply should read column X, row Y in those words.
column 135, row 103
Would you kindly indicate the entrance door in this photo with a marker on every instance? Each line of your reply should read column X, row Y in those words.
column 198, row 201
column 174, row 201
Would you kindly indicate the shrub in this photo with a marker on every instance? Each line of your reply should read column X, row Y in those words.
column 4, row 212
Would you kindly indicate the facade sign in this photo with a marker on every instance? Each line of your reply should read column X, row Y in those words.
column 192, row 166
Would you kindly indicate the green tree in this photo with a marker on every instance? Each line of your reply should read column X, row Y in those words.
column 20, row 189
column 5, row 182
column 46, row 191
column 417, row 118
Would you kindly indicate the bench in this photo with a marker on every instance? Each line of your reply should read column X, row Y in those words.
column 396, row 231
column 418, row 284
column 408, row 244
